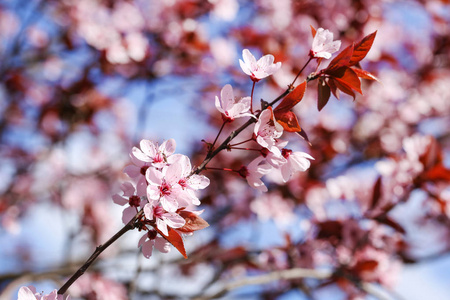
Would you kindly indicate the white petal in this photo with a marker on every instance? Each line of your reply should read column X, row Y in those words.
column 128, row 214
column 119, row 199
column 198, row 181
column 168, row 147
column 26, row 294
column 245, row 68
column 148, row 148
column 147, row 248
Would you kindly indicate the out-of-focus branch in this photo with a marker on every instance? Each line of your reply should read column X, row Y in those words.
column 290, row 274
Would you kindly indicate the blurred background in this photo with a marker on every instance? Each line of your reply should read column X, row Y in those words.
column 82, row 82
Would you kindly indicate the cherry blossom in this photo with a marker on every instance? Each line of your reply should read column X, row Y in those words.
column 273, row 206
column 163, row 218
column 254, row 171
column 190, row 182
column 323, row 44
column 129, row 197
column 150, row 154
column 29, row 293
column 296, row 161
column 260, row 69
column 171, row 185
column 229, row 107
column 152, row 239
column 267, row 130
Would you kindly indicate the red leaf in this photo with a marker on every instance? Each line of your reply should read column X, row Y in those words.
column 193, row 222
column 376, row 194
column 292, row 98
column 333, row 88
column 365, row 74
column 288, row 120
column 347, row 77
column 343, row 59
column 313, row 31
column 365, row 266
column 304, row 136
column 175, row 239
column 324, row 93
column 344, row 88
column 438, row 173
column 391, row 223
column 362, row 48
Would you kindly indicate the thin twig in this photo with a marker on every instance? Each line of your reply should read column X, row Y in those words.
column 270, row 277
column 129, row 226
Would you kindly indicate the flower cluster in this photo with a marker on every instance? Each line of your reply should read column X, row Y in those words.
column 267, row 130
column 29, row 293
column 164, row 187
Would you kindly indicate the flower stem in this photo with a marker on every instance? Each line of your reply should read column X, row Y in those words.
column 241, row 148
column 251, row 98
column 300, row 72
column 218, row 134
column 220, row 169
column 243, row 142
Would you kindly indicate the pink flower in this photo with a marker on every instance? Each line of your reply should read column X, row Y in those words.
column 296, row 161
column 29, row 293
column 260, row 69
column 172, row 186
column 278, row 160
column 267, row 129
column 323, row 45
column 163, row 218
column 254, row 172
column 129, row 197
column 273, row 206
column 228, row 106
column 190, row 183
column 150, row 154
column 152, row 239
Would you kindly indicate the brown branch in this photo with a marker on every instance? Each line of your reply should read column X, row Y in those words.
column 129, row 226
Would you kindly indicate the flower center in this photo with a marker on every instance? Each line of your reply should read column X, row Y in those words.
column 158, row 212
column 243, row 171
column 134, row 201
column 286, row 152
column 159, row 158
column 143, row 170
column 183, row 183
column 165, row 189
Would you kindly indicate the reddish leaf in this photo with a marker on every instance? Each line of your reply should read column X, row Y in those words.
column 329, row 229
column 438, row 173
column 304, row 136
column 432, row 156
column 313, row 31
column 288, row 120
column 362, row 48
column 193, row 222
column 365, row 74
column 347, row 77
column 292, row 98
column 365, row 266
column 344, row 88
column 376, row 194
column 391, row 223
column 229, row 255
column 323, row 90
column 343, row 59
column 333, row 88
column 175, row 239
